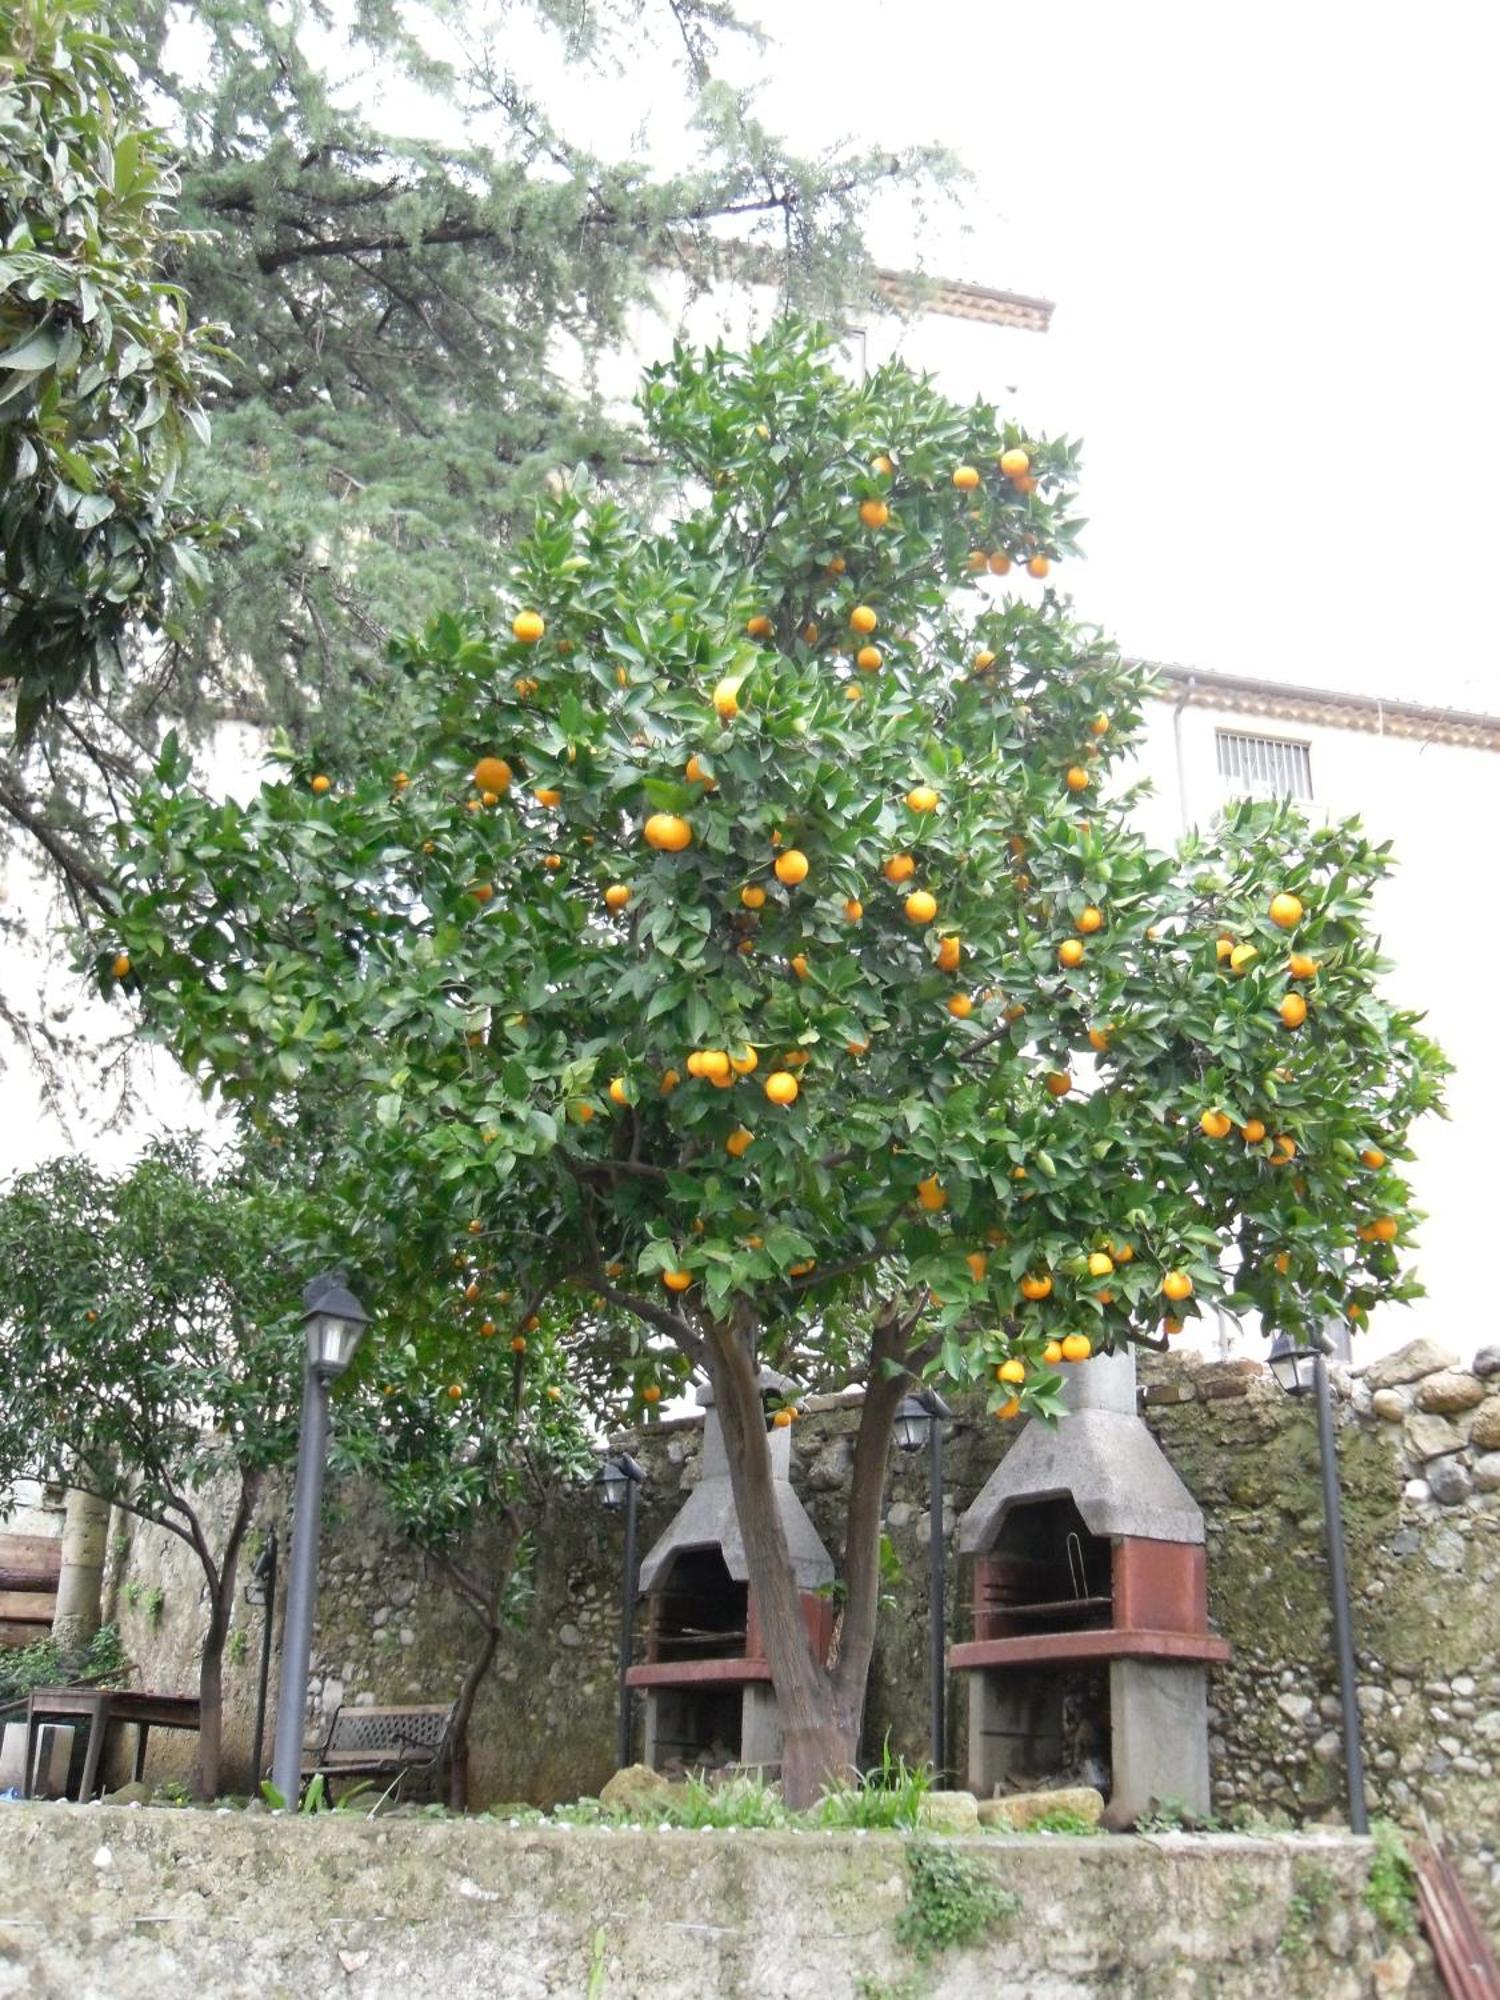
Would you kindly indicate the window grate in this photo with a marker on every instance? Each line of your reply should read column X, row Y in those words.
column 1265, row 766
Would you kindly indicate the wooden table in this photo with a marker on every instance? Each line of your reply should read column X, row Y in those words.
column 97, row 1709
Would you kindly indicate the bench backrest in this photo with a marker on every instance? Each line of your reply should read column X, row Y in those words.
column 404, row 1735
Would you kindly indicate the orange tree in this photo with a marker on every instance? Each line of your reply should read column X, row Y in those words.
column 752, row 938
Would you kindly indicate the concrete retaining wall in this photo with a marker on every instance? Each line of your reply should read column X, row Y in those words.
column 109, row 1903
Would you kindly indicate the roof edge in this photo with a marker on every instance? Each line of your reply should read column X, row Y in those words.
column 1294, row 703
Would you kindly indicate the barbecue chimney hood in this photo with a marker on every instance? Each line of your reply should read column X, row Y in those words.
column 709, row 1519
column 1091, row 1644
column 710, row 1700
column 1101, row 1455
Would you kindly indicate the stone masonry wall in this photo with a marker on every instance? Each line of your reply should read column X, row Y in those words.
column 1420, row 1461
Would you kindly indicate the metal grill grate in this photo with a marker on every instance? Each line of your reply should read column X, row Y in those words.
column 1264, row 766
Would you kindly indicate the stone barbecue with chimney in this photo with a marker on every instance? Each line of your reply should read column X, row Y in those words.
column 710, row 1699
column 1091, row 1647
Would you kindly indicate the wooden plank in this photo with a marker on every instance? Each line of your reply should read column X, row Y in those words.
column 29, row 1562
column 1464, row 1958
column 14, row 1633
column 28, row 1607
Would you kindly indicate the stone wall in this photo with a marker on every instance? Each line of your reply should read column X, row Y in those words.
column 1420, row 1460
column 105, row 1903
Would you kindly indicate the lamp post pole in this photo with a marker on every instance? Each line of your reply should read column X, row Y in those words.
column 333, row 1322
column 937, row 1620
column 1298, row 1370
column 616, row 1481
column 627, row 1627
column 1338, row 1598
column 264, row 1586
column 919, row 1416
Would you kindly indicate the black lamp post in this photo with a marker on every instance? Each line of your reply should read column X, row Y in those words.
column 1301, row 1371
column 261, row 1590
column 617, row 1480
column 334, row 1323
column 920, row 1418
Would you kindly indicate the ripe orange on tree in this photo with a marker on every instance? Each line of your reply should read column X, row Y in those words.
column 1301, row 966
column 1286, row 911
column 1090, row 919
column 1076, row 1347
column 999, row 563
column 1059, row 1082
column 863, row 620
column 1012, row 1370
column 1177, row 1285
column 1052, row 1353
column 960, row 1006
column 616, row 896
column 618, row 1090
column 1293, row 1010
column 758, row 627
column 979, row 1266
column 651, row 1393
column 950, row 952
column 899, row 868
column 965, row 477
column 669, row 833
column 121, row 966
column 874, row 513
column 791, row 867
column 920, row 906
column 781, row 1087
column 1078, row 778
column 753, row 896
column 1216, row 1124
column 868, row 660
column 677, row 1281
column 854, row 909
column 321, row 783
column 528, row 627
column 1100, row 1263
column 1014, row 462
column 922, row 799
column 932, row 1195
column 1372, row 1157
column 742, row 1061
column 1037, row 566
column 1036, row 1285
column 739, row 1142
column 1011, row 1407
column 1253, row 1131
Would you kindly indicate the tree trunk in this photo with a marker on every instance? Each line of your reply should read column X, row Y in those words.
column 221, row 1582
column 80, row 1578
column 458, row 1768
column 822, row 1709
column 818, row 1745
column 208, row 1756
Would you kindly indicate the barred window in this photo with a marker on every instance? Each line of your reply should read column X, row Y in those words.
column 1264, row 766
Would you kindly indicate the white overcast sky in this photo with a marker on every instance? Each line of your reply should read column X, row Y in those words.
column 1270, row 235
column 1269, row 231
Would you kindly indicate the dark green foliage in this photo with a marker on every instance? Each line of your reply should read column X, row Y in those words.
column 42, row 1664
column 102, row 375
column 415, row 319
column 149, row 1329
column 955, row 1900
column 1391, row 1891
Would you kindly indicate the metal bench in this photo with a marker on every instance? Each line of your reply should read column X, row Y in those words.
column 382, row 1743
